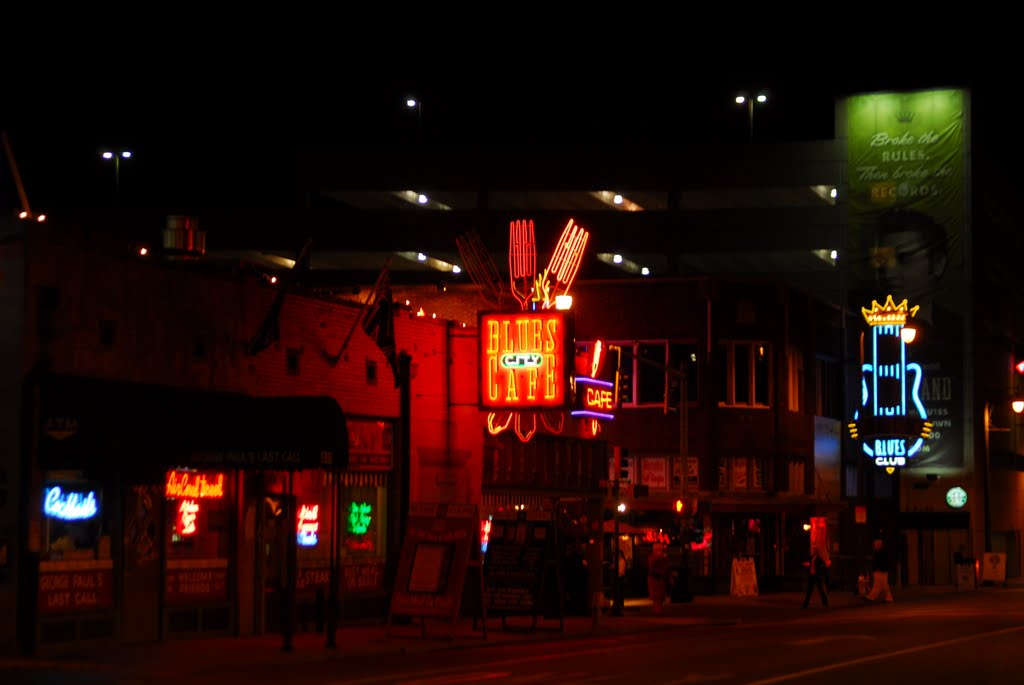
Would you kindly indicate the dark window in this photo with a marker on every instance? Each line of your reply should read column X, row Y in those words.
column 744, row 373
column 371, row 372
column 761, row 374
column 292, row 357
column 682, row 356
column 650, row 373
column 108, row 333
column 741, row 374
column 829, row 389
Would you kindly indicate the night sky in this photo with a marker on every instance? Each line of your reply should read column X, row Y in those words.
column 220, row 126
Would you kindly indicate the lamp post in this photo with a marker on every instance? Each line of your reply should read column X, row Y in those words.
column 749, row 100
column 117, row 157
column 1017, row 404
column 414, row 103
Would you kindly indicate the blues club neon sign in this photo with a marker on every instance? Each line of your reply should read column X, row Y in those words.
column 891, row 422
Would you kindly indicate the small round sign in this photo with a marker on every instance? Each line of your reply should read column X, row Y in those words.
column 956, row 497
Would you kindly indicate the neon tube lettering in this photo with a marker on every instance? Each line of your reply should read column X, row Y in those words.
column 73, row 506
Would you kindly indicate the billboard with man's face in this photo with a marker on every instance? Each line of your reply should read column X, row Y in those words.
column 907, row 201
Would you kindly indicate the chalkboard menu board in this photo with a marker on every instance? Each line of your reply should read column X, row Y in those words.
column 519, row 562
column 434, row 561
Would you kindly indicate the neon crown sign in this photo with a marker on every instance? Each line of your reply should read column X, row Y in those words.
column 891, row 419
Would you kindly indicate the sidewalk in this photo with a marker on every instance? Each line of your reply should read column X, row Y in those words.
column 180, row 658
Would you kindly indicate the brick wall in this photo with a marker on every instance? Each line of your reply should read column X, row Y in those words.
column 140, row 320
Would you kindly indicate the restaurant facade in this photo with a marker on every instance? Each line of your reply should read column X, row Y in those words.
column 174, row 480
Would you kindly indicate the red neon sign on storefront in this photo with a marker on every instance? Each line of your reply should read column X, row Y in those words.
column 194, row 485
column 308, row 525
column 188, row 515
column 522, row 360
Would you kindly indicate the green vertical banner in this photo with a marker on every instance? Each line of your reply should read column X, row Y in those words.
column 907, row 195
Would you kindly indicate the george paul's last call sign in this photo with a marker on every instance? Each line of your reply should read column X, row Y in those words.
column 523, row 363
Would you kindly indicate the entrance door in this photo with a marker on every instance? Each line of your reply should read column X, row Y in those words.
column 273, row 540
column 935, row 552
column 140, row 603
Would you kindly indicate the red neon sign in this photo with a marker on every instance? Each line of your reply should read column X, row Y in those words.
column 565, row 260
column 658, row 536
column 599, row 399
column 308, row 525
column 485, row 533
column 522, row 360
column 188, row 515
column 194, row 485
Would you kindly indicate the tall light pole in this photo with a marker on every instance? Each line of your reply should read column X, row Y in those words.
column 414, row 103
column 749, row 100
column 117, row 157
column 1017, row 404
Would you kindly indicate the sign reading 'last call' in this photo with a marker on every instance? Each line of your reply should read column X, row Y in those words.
column 523, row 360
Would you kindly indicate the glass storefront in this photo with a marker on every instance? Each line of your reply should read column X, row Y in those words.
column 75, row 597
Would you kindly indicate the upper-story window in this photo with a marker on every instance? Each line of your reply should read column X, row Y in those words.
column 657, row 373
column 744, row 373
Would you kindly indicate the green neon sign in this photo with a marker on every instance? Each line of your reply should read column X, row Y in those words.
column 359, row 517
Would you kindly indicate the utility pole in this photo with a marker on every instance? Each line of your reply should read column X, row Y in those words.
column 616, row 580
column 684, row 458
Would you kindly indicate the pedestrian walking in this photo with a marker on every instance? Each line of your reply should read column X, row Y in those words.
column 879, row 573
column 657, row 578
column 619, row 591
column 817, row 567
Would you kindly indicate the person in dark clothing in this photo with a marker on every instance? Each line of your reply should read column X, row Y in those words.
column 576, row 582
column 879, row 573
column 816, row 567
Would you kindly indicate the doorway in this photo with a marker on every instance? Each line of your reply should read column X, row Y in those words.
column 274, row 538
column 141, row 563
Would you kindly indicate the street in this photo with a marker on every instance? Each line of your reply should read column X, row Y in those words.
column 973, row 637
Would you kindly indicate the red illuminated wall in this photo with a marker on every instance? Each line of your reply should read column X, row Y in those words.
column 174, row 326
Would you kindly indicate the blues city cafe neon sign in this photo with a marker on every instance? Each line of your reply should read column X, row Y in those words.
column 523, row 360
column 594, row 398
column 595, row 395
column 70, row 505
column 891, row 421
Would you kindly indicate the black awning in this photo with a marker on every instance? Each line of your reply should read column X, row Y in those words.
column 96, row 423
column 934, row 520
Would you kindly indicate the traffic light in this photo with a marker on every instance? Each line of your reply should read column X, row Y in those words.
column 624, row 375
column 1020, row 366
column 680, row 506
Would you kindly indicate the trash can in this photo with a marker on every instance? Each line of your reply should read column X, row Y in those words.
column 966, row 578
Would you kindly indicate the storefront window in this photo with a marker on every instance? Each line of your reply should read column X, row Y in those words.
column 363, row 537
column 75, row 570
column 74, row 521
column 197, row 525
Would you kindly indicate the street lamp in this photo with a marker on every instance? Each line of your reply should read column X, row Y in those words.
column 761, row 98
column 413, row 103
column 117, row 157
